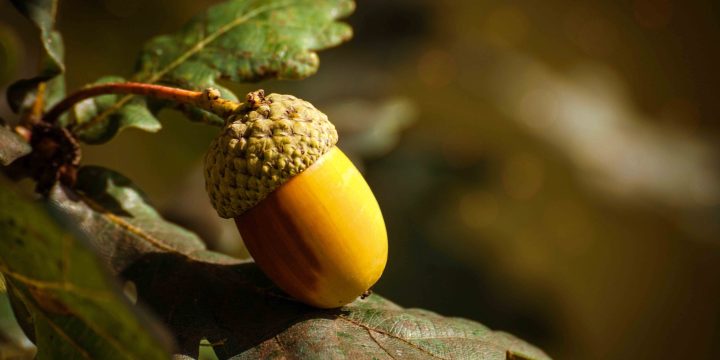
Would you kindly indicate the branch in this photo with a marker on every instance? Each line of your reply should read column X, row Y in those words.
column 208, row 99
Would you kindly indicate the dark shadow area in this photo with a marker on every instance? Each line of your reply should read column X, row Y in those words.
column 234, row 307
column 96, row 181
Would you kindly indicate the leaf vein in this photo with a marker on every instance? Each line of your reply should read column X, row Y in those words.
column 89, row 324
column 54, row 326
column 392, row 336
column 378, row 343
column 49, row 285
column 126, row 225
column 280, row 344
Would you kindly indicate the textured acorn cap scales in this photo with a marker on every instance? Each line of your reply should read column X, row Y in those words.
column 270, row 139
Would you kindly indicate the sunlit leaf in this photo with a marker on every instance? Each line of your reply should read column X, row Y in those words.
column 241, row 41
column 244, row 40
column 77, row 310
column 22, row 94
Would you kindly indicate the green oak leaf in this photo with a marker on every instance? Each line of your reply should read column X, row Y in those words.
column 12, row 146
column 208, row 299
column 22, row 94
column 240, row 41
column 135, row 114
column 77, row 311
column 244, row 40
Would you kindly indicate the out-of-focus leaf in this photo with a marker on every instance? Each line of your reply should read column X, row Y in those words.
column 22, row 94
column 204, row 295
column 370, row 128
column 134, row 114
column 13, row 342
column 12, row 146
column 77, row 310
column 11, row 53
column 239, row 40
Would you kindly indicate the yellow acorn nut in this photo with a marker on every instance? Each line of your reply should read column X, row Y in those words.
column 304, row 211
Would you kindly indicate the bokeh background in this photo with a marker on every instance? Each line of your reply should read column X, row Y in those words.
column 548, row 168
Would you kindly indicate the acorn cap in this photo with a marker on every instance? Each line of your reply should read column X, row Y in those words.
column 270, row 139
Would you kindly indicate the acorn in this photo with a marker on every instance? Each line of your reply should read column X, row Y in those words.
column 304, row 211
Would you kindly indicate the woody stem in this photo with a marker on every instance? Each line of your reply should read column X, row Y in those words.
column 208, row 99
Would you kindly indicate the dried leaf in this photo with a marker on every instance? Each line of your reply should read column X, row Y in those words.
column 238, row 310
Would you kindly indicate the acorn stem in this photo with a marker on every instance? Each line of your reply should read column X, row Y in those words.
column 208, row 99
